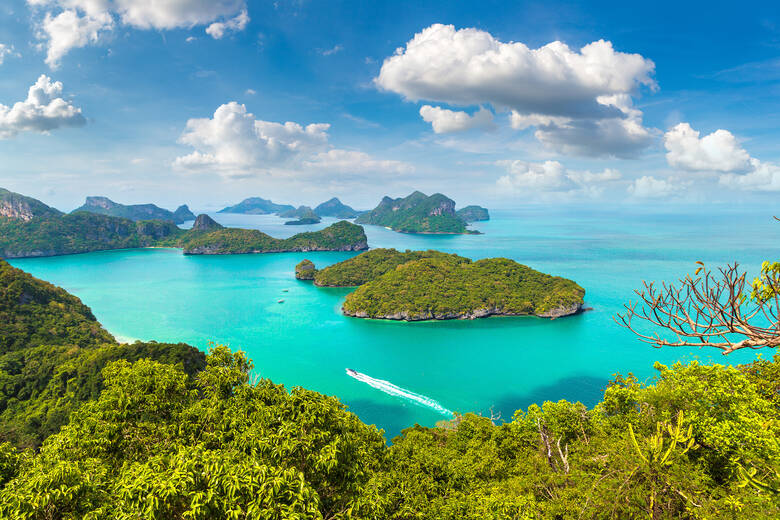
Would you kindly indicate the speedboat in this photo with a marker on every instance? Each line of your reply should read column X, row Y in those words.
column 351, row 372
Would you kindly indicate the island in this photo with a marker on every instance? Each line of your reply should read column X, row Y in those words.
column 257, row 206
column 106, row 206
column 432, row 285
column 341, row 236
column 304, row 215
column 335, row 208
column 36, row 230
column 305, row 270
column 371, row 265
column 473, row 214
column 417, row 213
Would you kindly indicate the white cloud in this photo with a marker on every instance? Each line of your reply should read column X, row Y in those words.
column 43, row 110
column 5, row 50
column 524, row 176
column 649, row 187
column 235, row 143
column 333, row 50
column 579, row 99
column 218, row 29
column 69, row 30
column 250, row 92
column 69, row 24
column 355, row 162
column 235, row 139
column 718, row 151
column 764, row 176
column 446, row 121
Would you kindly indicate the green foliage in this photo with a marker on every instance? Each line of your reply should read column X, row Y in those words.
column 52, row 352
column 370, row 265
column 341, row 236
column 335, row 208
column 78, row 233
column 160, row 444
column 416, row 213
column 439, row 288
column 305, row 270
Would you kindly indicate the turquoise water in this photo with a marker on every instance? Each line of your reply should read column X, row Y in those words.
column 430, row 368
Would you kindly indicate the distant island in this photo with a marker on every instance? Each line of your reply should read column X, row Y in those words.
column 334, row 208
column 29, row 228
column 257, row 206
column 106, row 206
column 417, row 213
column 304, row 215
column 473, row 214
column 431, row 285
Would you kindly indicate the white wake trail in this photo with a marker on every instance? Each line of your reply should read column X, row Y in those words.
column 391, row 389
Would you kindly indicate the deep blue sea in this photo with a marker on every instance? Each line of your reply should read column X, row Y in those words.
column 418, row 372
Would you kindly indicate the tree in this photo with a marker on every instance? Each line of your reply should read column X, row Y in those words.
column 711, row 309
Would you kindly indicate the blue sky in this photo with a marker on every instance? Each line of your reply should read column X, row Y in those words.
column 497, row 103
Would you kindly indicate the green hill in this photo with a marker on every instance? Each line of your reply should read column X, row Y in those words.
column 335, row 208
column 450, row 288
column 106, row 206
column 473, row 214
column 417, row 213
column 18, row 207
column 371, row 265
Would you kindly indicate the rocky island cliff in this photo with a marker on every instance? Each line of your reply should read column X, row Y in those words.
column 106, row 206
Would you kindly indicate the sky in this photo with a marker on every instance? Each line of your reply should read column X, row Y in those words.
column 502, row 104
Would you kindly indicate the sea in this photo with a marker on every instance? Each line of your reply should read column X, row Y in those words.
column 401, row 374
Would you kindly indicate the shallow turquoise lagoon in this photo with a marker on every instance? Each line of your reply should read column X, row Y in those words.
column 467, row 366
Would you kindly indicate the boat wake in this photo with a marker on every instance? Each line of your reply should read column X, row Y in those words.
column 396, row 391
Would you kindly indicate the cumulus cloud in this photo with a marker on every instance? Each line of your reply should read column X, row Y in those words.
column 524, row 176
column 446, row 121
column 69, row 24
column 579, row 99
column 333, row 50
column 718, row 151
column 233, row 138
column 649, row 187
column 218, row 29
column 234, row 142
column 43, row 110
column 763, row 176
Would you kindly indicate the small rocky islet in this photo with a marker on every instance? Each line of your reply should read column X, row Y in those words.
column 432, row 285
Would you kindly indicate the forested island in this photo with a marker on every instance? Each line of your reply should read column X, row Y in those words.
column 106, row 206
column 417, row 213
column 35, row 230
column 257, row 206
column 431, row 285
column 91, row 428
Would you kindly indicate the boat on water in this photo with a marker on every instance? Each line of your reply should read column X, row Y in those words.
column 351, row 372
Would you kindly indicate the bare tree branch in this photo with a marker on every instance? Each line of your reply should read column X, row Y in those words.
column 709, row 309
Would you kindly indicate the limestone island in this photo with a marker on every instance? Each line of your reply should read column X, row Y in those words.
column 335, row 208
column 305, row 270
column 106, row 206
column 473, row 214
column 30, row 228
column 417, row 213
column 257, row 206
column 431, row 285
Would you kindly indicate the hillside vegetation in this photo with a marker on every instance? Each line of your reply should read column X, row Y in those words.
column 371, row 265
column 52, row 352
column 417, row 213
column 156, row 431
column 443, row 288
